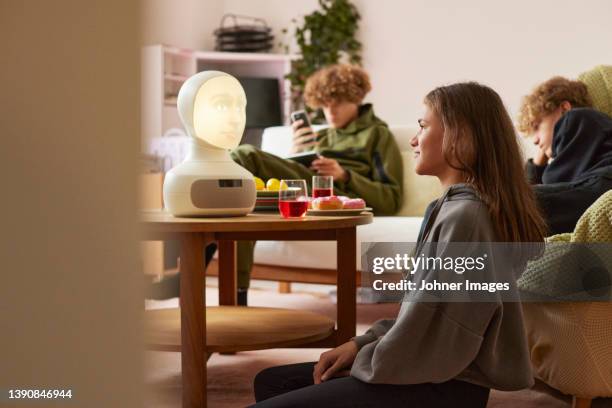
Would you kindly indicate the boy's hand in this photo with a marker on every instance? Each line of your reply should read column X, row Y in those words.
column 335, row 362
column 329, row 167
column 302, row 138
column 540, row 158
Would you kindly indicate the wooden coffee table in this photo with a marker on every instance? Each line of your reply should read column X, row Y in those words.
column 197, row 331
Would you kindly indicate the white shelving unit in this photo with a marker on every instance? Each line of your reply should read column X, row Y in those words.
column 165, row 68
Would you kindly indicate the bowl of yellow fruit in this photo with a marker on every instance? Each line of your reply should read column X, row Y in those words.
column 267, row 189
column 267, row 194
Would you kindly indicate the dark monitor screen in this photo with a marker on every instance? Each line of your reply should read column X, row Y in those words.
column 263, row 102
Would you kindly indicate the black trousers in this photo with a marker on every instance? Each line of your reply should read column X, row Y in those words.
column 293, row 386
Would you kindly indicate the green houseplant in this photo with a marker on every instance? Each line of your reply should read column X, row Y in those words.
column 324, row 37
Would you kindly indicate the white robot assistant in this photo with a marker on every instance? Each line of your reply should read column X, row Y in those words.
column 208, row 183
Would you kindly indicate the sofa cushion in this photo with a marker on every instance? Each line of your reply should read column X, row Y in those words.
column 299, row 254
column 419, row 191
column 278, row 139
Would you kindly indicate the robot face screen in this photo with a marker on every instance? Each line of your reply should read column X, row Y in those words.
column 219, row 113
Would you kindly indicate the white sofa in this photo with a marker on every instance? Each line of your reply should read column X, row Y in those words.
column 404, row 227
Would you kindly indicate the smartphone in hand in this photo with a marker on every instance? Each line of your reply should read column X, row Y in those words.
column 304, row 138
column 300, row 115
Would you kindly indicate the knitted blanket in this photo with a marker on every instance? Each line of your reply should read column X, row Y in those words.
column 576, row 266
column 599, row 85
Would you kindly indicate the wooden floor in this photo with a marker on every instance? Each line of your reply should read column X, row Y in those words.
column 230, row 377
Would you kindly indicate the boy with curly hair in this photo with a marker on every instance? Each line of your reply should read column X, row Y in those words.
column 540, row 112
column 357, row 150
column 573, row 165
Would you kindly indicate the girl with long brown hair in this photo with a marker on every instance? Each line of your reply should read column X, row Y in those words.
column 479, row 142
column 438, row 354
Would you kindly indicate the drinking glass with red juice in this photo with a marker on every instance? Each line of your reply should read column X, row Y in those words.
column 293, row 198
column 322, row 186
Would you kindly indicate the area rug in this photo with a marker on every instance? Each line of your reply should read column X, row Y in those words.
column 230, row 377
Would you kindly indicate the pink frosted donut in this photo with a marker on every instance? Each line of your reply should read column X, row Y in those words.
column 343, row 198
column 327, row 203
column 354, row 204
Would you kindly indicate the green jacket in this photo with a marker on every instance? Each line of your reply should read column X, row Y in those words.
column 366, row 149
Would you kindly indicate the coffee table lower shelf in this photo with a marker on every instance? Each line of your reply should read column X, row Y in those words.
column 239, row 328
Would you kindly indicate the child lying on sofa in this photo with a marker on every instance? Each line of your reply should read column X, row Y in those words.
column 576, row 139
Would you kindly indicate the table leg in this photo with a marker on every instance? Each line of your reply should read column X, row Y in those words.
column 227, row 272
column 193, row 320
column 346, row 284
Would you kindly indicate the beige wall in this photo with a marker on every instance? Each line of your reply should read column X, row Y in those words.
column 184, row 23
column 190, row 23
column 412, row 46
column 70, row 294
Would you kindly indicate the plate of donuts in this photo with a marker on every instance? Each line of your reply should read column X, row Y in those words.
column 337, row 206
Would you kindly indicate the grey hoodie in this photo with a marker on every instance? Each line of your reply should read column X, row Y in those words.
column 480, row 343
